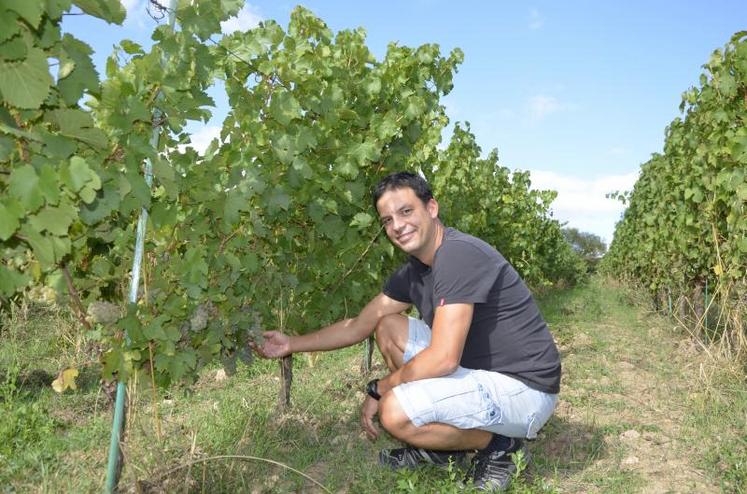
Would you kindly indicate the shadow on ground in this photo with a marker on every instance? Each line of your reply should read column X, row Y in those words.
column 565, row 448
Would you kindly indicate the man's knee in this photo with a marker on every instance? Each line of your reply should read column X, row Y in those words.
column 392, row 417
column 391, row 328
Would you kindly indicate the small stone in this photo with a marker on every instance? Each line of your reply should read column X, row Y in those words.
column 630, row 461
column 630, row 435
column 220, row 375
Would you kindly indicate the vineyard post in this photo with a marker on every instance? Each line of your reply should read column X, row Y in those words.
column 368, row 357
column 114, row 467
column 669, row 298
column 705, row 307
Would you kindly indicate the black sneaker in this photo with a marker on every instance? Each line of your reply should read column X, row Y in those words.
column 493, row 471
column 411, row 457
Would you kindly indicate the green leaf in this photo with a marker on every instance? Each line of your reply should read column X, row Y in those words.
column 10, row 214
column 31, row 12
column 279, row 199
column 79, row 175
column 8, row 25
column 364, row 152
column 130, row 47
column 10, row 281
column 7, row 146
column 26, row 84
column 42, row 246
column 54, row 220
column 333, row 228
column 235, row 202
column 24, row 185
column 284, row 107
column 361, row 221
column 83, row 76
column 49, row 185
column 101, row 206
column 112, row 11
column 742, row 192
column 284, row 148
column 57, row 146
column 154, row 329
column 15, row 49
column 78, row 125
column 727, row 85
column 194, row 271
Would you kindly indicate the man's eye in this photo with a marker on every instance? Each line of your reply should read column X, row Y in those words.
column 386, row 221
column 406, row 212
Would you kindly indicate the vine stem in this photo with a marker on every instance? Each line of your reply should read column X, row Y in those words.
column 240, row 457
column 153, row 389
column 75, row 298
column 357, row 261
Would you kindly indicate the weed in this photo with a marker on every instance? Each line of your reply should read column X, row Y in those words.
column 25, row 424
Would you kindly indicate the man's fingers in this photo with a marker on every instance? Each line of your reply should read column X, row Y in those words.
column 370, row 429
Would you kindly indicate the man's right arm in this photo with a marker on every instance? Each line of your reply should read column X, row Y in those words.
column 338, row 335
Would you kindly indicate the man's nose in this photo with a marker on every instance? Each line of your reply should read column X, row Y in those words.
column 397, row 224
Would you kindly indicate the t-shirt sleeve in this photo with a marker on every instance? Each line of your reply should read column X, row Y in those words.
column 463, row 274
column 398, row 285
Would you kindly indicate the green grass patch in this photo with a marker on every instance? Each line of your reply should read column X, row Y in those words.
column 228, row 435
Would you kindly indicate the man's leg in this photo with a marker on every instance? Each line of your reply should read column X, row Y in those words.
column 391, row 338
column 396, row 344
column 392, row 335
column 435, row 435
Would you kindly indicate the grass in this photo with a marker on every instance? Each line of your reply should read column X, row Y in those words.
column 641, row 410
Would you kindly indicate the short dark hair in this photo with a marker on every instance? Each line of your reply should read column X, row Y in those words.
column 401, row 180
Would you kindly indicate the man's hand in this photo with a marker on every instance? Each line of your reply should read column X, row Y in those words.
column 275, row 345
column 368, row 412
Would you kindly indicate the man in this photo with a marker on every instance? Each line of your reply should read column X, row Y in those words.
column 479, row 371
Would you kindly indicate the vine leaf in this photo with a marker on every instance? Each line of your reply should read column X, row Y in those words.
column 112, row 11
column 65, row 379
column 30, row 11
column 26, row 84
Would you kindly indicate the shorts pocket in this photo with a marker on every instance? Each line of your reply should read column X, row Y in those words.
column 473, row 408
column 492, row 413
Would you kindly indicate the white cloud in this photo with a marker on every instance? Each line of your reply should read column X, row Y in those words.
column 536, row 21
column 202, row 138
column 581, row 201
column 130, row 5
column 541, row 106
column 137, row 13
column 247, row 18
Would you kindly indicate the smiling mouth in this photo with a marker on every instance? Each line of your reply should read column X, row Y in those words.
column 405, row 237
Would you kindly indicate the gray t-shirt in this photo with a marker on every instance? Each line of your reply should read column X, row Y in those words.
column 507, row 334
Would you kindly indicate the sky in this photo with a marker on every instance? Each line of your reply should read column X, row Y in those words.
column 577, row 92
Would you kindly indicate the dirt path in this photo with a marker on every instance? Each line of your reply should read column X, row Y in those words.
column 621, row 424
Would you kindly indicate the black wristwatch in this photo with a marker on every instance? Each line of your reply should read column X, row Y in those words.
column 372, row 389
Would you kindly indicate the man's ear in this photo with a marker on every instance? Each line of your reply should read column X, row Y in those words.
column 432, row 208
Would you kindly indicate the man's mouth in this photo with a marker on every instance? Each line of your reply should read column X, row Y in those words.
column 404, row 237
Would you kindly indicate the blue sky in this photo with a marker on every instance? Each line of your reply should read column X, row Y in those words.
column 577, row 92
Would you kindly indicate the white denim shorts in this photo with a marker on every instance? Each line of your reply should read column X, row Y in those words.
column 472, row 399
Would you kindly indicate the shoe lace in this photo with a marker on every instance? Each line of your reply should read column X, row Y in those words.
column 493, row 465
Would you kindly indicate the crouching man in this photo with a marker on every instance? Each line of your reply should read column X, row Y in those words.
column 478, row 372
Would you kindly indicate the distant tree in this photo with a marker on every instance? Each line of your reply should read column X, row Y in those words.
column 589, row 246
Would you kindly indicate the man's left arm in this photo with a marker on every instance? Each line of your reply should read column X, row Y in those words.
column 451, row 324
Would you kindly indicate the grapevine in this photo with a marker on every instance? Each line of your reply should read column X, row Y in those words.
column 262, row 229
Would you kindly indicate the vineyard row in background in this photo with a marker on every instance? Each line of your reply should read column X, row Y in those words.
column 683, row 236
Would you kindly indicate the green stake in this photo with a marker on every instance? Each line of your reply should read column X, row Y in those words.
column 114, row 467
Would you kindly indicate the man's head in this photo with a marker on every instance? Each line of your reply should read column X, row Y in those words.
column 401, row 180
column 409, row 214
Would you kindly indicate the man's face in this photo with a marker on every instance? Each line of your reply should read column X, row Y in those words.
column 409, row 223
